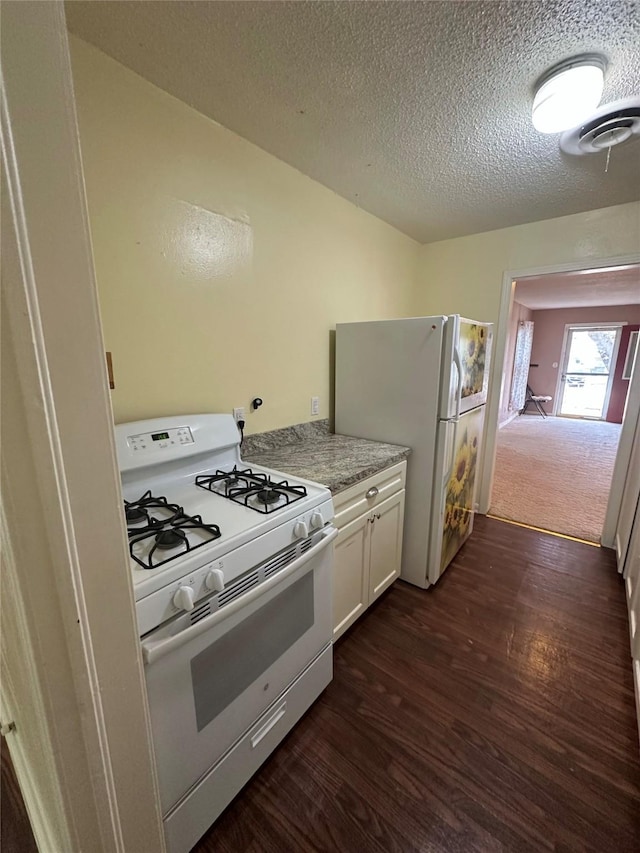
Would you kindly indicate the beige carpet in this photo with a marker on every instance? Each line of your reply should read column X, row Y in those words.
column 555, row 474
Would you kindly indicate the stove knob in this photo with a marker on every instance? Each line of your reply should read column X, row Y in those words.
column 183, row 599
column 215, row 580
column 300, row 530
column 317, row 521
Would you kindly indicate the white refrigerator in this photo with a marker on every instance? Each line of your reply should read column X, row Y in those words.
column 421, row 382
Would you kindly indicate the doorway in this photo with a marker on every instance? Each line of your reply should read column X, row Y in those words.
column 588, row 361
column 555, row 461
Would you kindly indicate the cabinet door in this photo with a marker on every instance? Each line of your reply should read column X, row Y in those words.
column 632, row 584
column 386, row 544
column 350, row 576
column 629, row 503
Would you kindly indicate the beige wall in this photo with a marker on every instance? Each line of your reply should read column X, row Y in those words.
column 464, row 275
column 548, row 337
column 221, row 270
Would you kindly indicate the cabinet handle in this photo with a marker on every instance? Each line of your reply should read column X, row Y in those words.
column 372, row 493
column 377, row 515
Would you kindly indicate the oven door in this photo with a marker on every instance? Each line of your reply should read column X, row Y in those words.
column 208, row 683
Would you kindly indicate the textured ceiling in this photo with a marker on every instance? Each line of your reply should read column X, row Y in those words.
column 619, row 286
column 419, row 112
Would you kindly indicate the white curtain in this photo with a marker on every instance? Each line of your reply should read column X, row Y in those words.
column 522, row 357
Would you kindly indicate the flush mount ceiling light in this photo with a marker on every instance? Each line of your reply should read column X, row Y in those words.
column 567, row 93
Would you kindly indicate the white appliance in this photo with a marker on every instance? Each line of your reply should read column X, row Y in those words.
column 421, row 382
column 231, row 571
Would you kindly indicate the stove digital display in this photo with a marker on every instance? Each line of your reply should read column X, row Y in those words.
column 159, row 436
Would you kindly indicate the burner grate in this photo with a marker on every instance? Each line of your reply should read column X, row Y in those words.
column 137, row 512
column 153, row 537
column 254, row 490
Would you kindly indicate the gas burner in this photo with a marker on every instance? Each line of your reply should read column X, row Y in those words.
column 169, row 539
column 135, row 515
column 251, row 489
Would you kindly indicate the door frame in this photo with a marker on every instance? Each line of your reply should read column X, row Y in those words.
column 509, row 278
column 630, row 424
column 81, row 742
column 564, row 356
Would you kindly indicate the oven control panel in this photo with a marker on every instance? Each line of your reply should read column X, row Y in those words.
column 151, row 442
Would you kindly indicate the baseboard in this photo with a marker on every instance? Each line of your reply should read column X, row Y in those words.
column 508, row 420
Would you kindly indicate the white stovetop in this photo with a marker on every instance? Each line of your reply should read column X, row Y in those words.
column 167, row 466
column 238, row 524
column 232, row 517
column 247, row 537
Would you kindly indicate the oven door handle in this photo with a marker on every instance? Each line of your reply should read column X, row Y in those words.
column 153, row 650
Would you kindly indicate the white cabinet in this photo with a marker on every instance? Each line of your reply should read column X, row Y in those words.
column 632, row 585
column 627, row 540
column 368, row 549
column 350, row 576
column 629, row 502
column 385, row 544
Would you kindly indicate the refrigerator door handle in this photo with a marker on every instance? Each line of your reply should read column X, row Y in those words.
column 458, row 363
column 453, row 450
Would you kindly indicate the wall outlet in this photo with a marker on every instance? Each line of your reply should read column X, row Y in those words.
column 238, row 414
column 315, row 405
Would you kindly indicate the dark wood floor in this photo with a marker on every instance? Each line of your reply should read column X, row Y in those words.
column 492, row 713
column 15, row 829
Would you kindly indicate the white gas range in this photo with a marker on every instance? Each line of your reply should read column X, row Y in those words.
column 231, row 569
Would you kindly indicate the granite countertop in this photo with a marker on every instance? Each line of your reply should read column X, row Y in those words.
column 312, row 452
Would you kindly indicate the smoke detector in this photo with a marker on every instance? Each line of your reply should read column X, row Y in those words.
column 611, row 124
